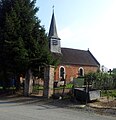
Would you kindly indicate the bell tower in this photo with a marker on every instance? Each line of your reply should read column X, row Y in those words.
column 54, row 40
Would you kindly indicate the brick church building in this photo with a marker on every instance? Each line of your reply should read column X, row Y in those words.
column 72, row 62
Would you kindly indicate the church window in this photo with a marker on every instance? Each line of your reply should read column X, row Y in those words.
column 81, row 71
column 62, row 72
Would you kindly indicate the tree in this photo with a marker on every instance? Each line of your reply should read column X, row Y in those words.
column 114, row 80
column 23, row 41
column 101, row 80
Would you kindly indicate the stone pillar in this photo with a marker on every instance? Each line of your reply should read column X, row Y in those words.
column 28, row 83
column 48, row 81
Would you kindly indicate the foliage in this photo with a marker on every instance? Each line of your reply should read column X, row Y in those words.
column 101, row 80
column 69, row 85
column 114, row 80
column 111, row 93
column 23, row 41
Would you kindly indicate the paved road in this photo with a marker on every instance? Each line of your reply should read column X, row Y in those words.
column 15, row 111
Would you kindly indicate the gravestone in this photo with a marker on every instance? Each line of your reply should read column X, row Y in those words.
column 78, row 82
column 82, row 92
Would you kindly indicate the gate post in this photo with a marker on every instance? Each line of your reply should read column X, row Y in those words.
column 28, row 83
column 48, row 81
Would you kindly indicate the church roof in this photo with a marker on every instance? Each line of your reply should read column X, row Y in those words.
column 53, row 29
column 71, row 56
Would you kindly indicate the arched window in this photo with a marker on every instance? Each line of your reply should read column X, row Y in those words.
column 81, row 71
column 62, row 72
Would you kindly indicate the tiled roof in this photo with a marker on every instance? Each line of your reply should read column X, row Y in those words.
column 76, row 57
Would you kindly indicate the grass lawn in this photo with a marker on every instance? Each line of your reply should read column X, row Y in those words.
column 68, row 86
column 111, row 93
column 9, row 88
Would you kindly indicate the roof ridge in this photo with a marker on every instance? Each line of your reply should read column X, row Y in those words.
column 80, row 57
column 74, row 49
column 93, row 57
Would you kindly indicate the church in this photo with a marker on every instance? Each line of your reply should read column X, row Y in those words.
column 73, row 63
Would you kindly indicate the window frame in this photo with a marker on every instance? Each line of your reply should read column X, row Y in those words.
column 81, row 68
column 60, row 72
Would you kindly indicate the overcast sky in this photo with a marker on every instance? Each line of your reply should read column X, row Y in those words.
column 84, row 24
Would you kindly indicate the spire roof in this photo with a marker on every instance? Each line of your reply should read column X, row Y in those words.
column 53, row 29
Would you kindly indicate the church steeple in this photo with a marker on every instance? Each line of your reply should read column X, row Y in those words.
column 53, row 29
column 54, row 40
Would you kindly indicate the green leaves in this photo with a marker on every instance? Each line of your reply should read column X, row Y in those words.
column 101, row 80
column 23, row 41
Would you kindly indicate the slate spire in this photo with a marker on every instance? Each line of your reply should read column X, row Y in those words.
column 53, row 29
column 54, row 40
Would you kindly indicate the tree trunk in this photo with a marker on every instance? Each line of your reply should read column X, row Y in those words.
column 28, row 83
column 18, row 83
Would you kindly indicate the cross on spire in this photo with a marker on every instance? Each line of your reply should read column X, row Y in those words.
column 53, row 8
column 53, row 29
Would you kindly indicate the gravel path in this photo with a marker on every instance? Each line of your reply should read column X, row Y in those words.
column 66, row 103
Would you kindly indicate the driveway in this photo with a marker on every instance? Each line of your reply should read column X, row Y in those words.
column 40, row 109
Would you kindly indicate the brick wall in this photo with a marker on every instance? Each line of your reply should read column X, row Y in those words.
column 72, row 71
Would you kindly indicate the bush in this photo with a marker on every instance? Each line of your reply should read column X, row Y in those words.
column 101, row 80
